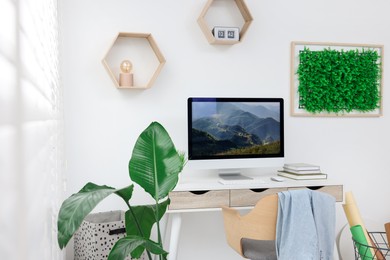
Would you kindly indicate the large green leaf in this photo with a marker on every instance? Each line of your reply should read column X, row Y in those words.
column 74, row 209
column 147, row 216
column 125, row 193
column 126, row 245
column 155, row 163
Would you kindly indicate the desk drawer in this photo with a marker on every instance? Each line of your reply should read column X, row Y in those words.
column 334, row 190
column 249, row 197
column 198, row 199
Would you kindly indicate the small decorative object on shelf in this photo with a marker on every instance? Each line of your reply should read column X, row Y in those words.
column 226, row 33
column 126, row 77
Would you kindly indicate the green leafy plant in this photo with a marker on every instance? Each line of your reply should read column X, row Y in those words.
column 155, row 165
column 339, row 81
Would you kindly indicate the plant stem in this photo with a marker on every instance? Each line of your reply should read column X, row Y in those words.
column 156, row 186
column 158, row 227
column 138, row 227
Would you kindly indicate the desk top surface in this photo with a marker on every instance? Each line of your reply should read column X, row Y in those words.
column 209, row 180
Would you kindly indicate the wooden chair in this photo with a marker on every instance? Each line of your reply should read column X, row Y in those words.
column 258, row 224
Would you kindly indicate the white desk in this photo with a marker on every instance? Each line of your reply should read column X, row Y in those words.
column 205, row 193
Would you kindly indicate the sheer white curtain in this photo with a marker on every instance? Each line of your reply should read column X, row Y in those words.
column 31, row 130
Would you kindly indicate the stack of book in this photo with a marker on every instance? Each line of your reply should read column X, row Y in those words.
column 302, row 171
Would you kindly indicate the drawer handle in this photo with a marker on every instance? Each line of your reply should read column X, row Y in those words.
column 199, row 192
column 258, row 190
column 315, row 187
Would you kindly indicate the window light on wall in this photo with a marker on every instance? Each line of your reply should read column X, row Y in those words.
column 31, row 135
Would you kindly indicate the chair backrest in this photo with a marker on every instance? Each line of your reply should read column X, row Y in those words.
column 259, row 223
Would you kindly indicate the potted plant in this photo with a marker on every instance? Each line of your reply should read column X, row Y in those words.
column 155, row 165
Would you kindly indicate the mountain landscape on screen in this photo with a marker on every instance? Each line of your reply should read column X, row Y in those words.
column 236, row 129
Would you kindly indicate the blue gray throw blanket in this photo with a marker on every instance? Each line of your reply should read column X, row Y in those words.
column 305, row 228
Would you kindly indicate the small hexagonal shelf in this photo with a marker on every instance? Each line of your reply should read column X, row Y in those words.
column 207, row 31
column 121, row 49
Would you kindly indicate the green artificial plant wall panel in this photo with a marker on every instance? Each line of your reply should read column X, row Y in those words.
column 336, row 79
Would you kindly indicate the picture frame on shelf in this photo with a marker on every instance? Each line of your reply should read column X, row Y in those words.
column 336, row 79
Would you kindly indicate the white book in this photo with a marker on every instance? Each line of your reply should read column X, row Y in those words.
column 301, row 166
column 301, row 171
column 304, row 176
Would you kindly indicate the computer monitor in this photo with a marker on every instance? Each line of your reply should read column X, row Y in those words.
column 230, row 134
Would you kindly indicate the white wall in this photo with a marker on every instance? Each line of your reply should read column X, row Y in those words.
column 102, row 122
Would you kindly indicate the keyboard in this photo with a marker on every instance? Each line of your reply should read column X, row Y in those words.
column 248, row 182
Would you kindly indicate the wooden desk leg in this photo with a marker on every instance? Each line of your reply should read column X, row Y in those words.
column 175, row 233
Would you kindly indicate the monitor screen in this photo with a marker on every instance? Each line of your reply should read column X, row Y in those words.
column 235, row 128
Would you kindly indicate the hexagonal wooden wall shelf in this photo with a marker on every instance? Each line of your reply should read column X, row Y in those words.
column 207, row 31
column 127, row 40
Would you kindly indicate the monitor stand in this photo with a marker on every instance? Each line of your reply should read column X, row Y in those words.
column 232, row 175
